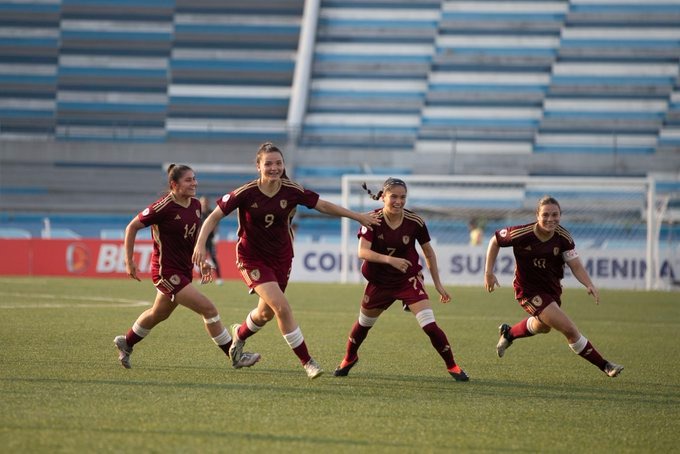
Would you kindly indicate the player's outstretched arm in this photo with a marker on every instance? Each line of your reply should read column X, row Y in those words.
column 365, row 219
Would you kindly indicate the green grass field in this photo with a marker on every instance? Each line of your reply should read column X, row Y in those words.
column 63, row 390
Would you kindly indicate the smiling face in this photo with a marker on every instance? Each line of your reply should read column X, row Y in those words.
column 185, row 185
column 548, row 217
column 270, row 165
column 394, row 198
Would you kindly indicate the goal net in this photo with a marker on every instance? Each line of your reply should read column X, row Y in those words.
column 609, row 218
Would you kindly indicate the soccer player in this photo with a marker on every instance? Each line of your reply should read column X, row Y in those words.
column 541, row 249
column 393, row 273
column 175, row 220
column 266, row 207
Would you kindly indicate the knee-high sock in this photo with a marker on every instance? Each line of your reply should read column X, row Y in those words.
column 136, row 334
column 521, row 329
column 585, row 349
column 357, row 335
column 437, row 337
column 296, row 342
column 248, row 328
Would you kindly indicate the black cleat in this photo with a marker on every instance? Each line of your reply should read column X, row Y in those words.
column 343, row 371
column 461, row 376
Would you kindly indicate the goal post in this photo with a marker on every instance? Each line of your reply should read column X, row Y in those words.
column 615, row 222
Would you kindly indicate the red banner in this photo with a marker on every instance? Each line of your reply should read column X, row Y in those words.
column 92, row 258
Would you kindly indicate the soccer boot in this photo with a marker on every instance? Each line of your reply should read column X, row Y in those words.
column 342, row 371
column 247, row 359
column 504, row 341
column 612, row 369
column 313, row 369
column 236, row 349
column 124, row 351
column 459, row 374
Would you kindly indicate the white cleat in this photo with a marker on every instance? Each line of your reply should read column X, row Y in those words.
column 612, row 369
column 247, row 360
column 236, row 349
column 313, row 369
column 124, row 351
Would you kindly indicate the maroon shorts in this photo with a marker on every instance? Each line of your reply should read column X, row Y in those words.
column 256, row 272
column 412, row 291
column 172, row 282
column 536, row 304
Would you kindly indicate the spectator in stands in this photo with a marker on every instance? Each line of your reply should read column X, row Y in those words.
column 541, row 250
column 391, row 266
column 266, row 207
column 210, row 241
column 175, row 219
column 476, row 232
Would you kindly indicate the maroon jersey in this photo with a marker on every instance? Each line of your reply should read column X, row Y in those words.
column 264, row 222
column 399, row 242
column 539, row 264
column 173, row 229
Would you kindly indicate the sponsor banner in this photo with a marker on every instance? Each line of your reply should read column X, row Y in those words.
column 464, row 265
column 315, row 262
column 91, row 258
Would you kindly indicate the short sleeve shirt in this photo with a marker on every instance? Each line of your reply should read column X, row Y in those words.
column 539, row 264
column 174, row 230
column 264, row 222
column 399, row 242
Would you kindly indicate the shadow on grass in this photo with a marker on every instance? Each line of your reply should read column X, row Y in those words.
column 372, row 385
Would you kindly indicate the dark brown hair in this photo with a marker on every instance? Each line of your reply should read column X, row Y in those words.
column 269, row 147
column 175, row 172
column 387, row 185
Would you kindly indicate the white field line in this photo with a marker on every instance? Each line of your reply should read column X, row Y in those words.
column 54, row 301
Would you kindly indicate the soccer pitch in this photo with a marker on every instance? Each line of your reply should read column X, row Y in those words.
column 63, row 390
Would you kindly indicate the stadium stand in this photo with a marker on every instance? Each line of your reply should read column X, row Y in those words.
column 231, row 69
column 369, row 77
column 29, row 51
column 114, row 90
column 113, row 70
column 611, row 83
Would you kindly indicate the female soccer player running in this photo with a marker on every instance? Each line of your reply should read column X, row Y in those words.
column 175, row 220
column 266, row 207
column 393, row 273
column 541, row 249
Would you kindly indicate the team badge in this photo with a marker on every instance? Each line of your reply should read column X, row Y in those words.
column 503, row 233
column 363, row 230
column 366, row 299
column 283, row 203
column 537, row 301
column 556, row 251
column 145, row 212
column 198, row 213
column 225, row 197
column 255, row 275
column 174, row 279
column 405, row 239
